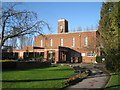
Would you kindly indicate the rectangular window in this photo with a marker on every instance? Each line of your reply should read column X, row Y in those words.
column 73, row 41
column 82, row 54
column 90, row 54
column 41, row 43
column 86, row 41
column 51, row 42
column 61, row 42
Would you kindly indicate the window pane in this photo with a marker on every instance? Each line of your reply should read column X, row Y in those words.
column 73, row 41
column 85, row 41
column 61, row 42
column 90, row 54
column 61, row 27
column 51, row 41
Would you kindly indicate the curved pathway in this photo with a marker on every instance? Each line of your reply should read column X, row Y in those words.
column 96, row 80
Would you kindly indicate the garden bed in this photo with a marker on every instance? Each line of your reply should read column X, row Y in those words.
column 78, row 77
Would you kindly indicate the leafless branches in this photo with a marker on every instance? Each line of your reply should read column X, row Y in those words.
column 17, row 23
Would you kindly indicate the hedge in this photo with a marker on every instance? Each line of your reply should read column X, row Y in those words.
column 99, row 59
column 112, row 63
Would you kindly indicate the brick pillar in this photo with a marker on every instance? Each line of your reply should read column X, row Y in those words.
column 45, row 55
column 98, row 52
column 20, row 55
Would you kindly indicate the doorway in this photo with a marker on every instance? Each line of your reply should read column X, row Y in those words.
column 51, row 56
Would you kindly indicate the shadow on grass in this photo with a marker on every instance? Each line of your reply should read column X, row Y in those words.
column 116, row 74
column 14, row 81
column 37, row 69
column 114, row 86
column 100, row 74
column 19, row 69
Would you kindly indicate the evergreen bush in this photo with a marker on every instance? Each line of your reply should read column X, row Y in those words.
column 99, row 59
column 112, row 63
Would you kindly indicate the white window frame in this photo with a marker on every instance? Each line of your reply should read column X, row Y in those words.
column 41, row 43
column 61, row 27
column 61, row 41
column 86, row 41
column 51, row 42
column 90, row 54
column 73, row 41
column 82, row 54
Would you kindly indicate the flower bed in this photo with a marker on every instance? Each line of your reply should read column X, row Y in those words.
column 77, row 78
column 71, row 81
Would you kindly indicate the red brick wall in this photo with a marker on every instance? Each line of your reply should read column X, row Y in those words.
column 67, row 42
column 64, row 24
column 67, row 39
column 79, row 46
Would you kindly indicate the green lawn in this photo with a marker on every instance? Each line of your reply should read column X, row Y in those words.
column 114, row 82
column 51, row 77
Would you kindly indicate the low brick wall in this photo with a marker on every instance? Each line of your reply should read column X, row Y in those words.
column 23, row 65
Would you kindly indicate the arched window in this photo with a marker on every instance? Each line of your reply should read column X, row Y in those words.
column 73, row 41
column 61, row 41
column 86, row 41
column 41, row 43
column 61, row 28
column 51, row 42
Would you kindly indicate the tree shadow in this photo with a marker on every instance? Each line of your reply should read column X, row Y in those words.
column 51, row 70
column 14, row 81
column 100, row 74
column 33, row 68
column 114, row 86
column 116, row 74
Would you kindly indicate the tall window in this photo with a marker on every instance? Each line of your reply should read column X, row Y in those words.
column 41, row 43
column 61, row 28
column 86, row 41
column 51, row 42
column 61, row 41
column 73, row 41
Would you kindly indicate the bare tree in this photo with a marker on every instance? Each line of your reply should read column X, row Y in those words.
column 22, row 42
column 74, row 30
column 96, row 27
column 87, row 28
column 13, row 42
column 92, row 27
column 19, row 23
column 79, row 29
column 25, row 40
column 94, row 44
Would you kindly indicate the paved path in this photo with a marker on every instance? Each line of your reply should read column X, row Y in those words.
column 96, row 80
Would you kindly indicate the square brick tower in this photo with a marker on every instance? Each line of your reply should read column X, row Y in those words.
column 62, row 26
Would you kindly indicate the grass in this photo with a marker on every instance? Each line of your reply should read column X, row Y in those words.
column 114, row 82
column 50, row 77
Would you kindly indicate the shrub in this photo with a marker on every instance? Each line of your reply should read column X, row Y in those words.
column 112, row 63
column 99, row 59
column 7, row 60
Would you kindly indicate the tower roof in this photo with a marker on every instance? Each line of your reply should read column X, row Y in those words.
column 62, row 19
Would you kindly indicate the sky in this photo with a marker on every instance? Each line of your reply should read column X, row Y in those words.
column 76, row 13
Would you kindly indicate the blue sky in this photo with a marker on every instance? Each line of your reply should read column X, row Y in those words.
column 78, row 13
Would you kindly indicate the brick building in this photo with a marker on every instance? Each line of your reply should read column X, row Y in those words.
column 64, row 46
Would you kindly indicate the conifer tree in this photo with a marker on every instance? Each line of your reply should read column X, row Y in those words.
column 109, row 29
